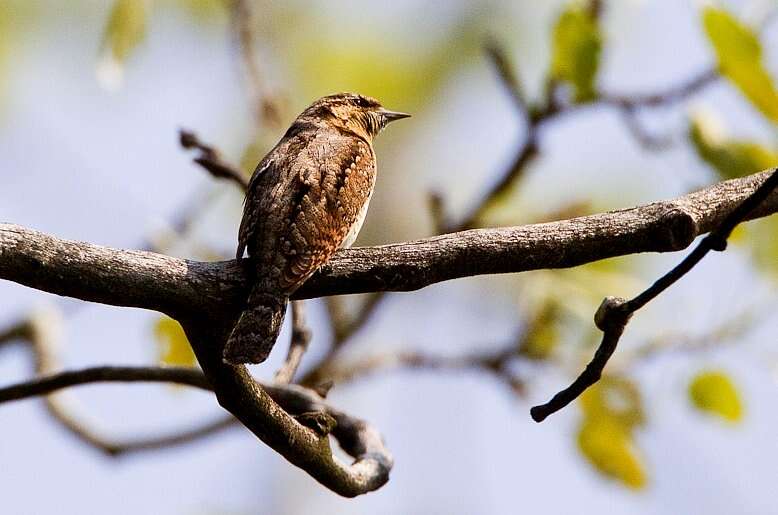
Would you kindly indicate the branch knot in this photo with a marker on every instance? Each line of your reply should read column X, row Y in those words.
column 676, row 228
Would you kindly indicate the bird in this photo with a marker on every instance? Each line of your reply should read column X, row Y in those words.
column 307, row 198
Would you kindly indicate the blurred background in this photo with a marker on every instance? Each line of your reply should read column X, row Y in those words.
column 93, row 94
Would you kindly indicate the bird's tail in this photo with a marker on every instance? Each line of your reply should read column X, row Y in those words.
column 257, row 329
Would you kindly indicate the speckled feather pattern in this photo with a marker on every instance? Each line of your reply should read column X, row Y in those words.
column 301, row 204
column 306, row 199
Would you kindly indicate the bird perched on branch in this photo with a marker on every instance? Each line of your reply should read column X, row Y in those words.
column 307, row 198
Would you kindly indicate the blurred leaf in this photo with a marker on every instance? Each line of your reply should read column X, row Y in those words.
column 174, row 345
column 126, row 28
column 206, row 11
column 739, row 55
column 714, row 392
column 577, row 44
column 763, row 234
column 609, row 447
column 15, row 18
column 730, row 158
column 616, row 398
column 542, row 333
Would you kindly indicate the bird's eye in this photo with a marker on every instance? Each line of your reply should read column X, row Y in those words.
column 362, row 102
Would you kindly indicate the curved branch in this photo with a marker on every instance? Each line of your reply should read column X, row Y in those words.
column 181, row 287
column 355, row 436
column 104, row 374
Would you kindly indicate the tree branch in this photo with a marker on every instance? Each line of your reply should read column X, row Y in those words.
column 211, row 160
column 614, row 313
column 104, row 374
column 207, row 297
column 181, row 287
column 301, row 337
column 355, row 436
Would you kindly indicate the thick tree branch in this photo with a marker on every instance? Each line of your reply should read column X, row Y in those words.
column 180, row 287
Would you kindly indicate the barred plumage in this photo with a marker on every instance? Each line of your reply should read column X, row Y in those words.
column 307, row 198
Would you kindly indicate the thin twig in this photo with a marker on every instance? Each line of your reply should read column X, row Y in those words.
column 343, row 330
column 648, row 141
column 176, row 438
column 301, row 337
column 667, row 97
column 506, row 73
column 265, row 105
column 614, row 312
column 211, row 160
column 57, row 381
column 496, row 364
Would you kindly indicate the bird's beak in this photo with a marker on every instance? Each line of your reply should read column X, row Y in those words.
column 391, row 116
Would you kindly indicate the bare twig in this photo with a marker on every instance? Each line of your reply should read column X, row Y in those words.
column 264, row 104
column 731, row 330
column 614, row 313
column 667, row 97
column 496, row 54
column 176, row 438
column 301, row 336
column 210, row 159
column 644, row 138
column 48, row 383
column 495, row 364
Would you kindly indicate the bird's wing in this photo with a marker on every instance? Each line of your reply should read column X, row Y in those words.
column 249, row 221
column 334, row 177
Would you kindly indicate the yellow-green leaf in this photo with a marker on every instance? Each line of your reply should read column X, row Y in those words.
column 739, row 55
column 714, row 392
column 125, row 29
column 609, row 447
column 174, row 345
column 616, row 398
column 577, row 44
column 730, row 158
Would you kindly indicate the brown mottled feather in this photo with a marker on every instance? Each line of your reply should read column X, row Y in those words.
column 300, row 208
column 306, row 197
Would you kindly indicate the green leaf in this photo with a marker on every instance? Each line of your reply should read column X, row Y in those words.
column 730, row 158
column 125, row 29
column 609, row 446
column 577, row 44
column 174, row 345
column 714, row 392
column 739, row 55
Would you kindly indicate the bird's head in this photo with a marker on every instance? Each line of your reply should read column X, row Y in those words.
column 354, row 113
